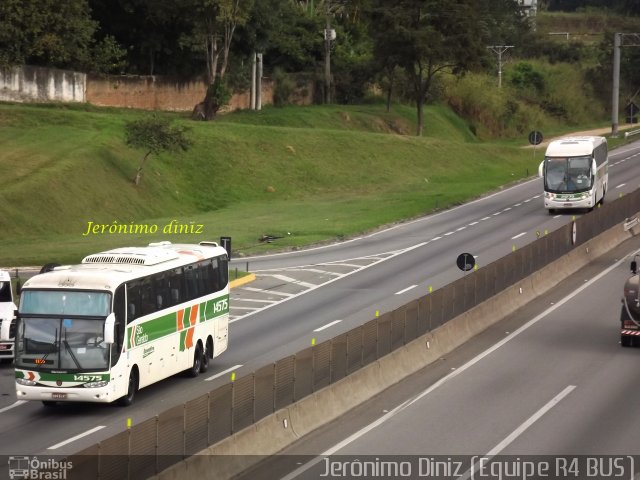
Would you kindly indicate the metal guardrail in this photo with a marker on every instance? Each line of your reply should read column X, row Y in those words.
column 631, row 132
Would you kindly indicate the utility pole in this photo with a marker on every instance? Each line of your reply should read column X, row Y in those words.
column 499, row 50
column 329, row 35
column 619, row 40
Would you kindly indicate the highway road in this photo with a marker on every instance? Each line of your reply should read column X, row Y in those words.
column 316, row 293
column 550, row 381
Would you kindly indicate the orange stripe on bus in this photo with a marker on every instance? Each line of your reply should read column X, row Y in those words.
column 189, row 341
column 193, row 318
column 180, row 315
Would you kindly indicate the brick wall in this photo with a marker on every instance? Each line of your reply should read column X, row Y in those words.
column 160, row 93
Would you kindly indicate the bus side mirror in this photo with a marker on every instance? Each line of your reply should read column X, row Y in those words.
column 109, row 329
column 541, row 169
column 634, row 267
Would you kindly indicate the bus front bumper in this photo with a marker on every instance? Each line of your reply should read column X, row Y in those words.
column 77, row 394
column 555, row 203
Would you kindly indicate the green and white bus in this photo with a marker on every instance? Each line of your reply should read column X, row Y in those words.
column 575, row 172
column 121, row 320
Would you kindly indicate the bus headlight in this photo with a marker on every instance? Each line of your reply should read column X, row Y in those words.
column 96, row 384
column 25, row 382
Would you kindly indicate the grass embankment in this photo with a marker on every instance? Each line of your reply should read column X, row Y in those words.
column 304, row 174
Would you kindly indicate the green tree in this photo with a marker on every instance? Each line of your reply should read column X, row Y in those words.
column 214, row 25
column 46, row 32
column 155, row 135
column 427, row 37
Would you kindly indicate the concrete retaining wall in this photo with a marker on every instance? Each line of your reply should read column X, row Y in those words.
column 270, row 435
column 40, row 84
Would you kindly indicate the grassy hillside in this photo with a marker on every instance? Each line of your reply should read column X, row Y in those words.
column 305, row 174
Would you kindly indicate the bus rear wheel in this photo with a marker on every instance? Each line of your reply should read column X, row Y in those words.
column 205, row 359
column 131, row 389
column 194, row 371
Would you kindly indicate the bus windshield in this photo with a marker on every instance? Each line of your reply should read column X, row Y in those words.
column 51, row 336
column 568, row 174
column 61, row 343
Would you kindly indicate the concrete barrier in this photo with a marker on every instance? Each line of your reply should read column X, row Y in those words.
column 272, row 434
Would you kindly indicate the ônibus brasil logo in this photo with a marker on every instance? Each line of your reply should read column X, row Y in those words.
column 24, row 467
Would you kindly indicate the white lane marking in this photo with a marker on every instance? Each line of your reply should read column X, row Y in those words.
column 260, row 290
column 517, row 204
column 235, row 367
column 461, row 228
column 392, row 413
column 473, row 223
column 507, row 209
column 17, row 403
column 527, row 200
column 435, row 238
column 327, row 325
column 485, row 218
column 557, row 216
column 255, row 300
column 448, row 233
column 530, row 421
column 519, row 235
column 406, row 289
column 313, row 270
column 338, row 264
column 284, row 278
column 621, row 185
column 518, row 431
column 251, row 309
column 537, row 196
column 77, row 437
column 497, row 213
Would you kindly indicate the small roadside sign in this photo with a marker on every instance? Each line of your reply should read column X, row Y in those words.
column 535, row 138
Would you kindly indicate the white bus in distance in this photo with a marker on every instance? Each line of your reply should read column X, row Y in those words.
column 575, row 171
column 121, row 320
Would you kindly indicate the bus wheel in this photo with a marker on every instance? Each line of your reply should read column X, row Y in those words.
column 205, row 360
column 131, row 390
column 49, row 403
column 194, row 371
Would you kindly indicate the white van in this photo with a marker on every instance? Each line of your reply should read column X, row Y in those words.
column 7, row 317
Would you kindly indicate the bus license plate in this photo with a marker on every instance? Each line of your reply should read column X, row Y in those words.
column 59, row 396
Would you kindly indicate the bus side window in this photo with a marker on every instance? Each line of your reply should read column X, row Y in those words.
column 175, row 287
column 133, row 300
column 223, row 266
column 191, row 283
column 162, row 291
column 147, row 296
column 214, row 275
